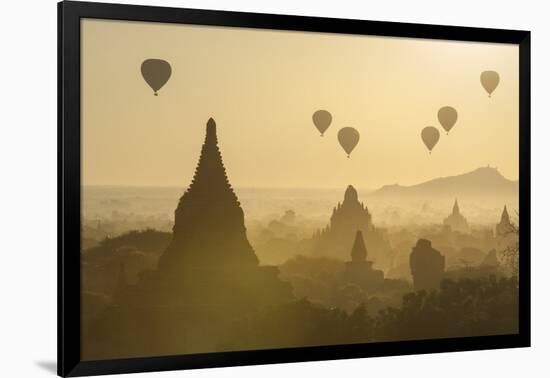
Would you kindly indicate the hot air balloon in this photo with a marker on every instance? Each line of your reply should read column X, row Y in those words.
column 447, row 116
column 348, row 138
column 156, row 73
column 322, row 120
column 430, row 136
column 489, row 80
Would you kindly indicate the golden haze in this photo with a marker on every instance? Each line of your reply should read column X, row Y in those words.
column 263, row 86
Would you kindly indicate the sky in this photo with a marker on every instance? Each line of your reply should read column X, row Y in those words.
column 262, row 87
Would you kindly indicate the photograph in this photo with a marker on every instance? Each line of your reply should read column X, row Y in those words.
column 257, row 189
column 289, row 188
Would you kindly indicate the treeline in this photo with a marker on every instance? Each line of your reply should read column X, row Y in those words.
column 469, row 307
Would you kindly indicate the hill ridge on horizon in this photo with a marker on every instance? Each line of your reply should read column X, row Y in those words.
column 483, row 180
column 488, row 171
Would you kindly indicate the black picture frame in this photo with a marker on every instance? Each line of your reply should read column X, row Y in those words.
column 69, row 197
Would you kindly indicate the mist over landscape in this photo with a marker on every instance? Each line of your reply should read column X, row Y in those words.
column 361, row 189
column 307, row 234
column 482, row 193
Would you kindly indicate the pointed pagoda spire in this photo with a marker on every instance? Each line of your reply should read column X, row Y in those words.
column 456, row 209
column 505, row 217
column 211, row 132
column 456, row 221
column 210, row 177
column 358, row 251
column 504, row 227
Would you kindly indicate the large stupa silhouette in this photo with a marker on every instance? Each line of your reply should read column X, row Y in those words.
column 207, row 278
column 209, row 225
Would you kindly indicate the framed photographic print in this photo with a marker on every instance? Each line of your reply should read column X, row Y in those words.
column 239, row 188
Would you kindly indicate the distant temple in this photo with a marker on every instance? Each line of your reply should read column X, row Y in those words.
column 347, row 218
column 505, row 232
column 456, row 221
column 427, row 266
column 359, row 270
column 504, row 227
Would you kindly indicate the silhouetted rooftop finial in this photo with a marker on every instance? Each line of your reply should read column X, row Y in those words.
column 504, row 227
column 210, row 172
column 351, row 194
column 505, row 217
column 211, row 131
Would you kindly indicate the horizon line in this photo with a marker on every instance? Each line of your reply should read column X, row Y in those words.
column 145, row 186
column 371, row 189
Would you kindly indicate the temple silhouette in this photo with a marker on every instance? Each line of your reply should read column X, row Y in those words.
column 348, row 217
column 456, row 221
column 504, row 227
column 208, row 276
column 427, row 266
column 209, row 221
column 209, row 258
column 505, row 231
column 359, row 270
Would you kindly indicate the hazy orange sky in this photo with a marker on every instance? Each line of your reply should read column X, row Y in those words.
column 262, row 88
